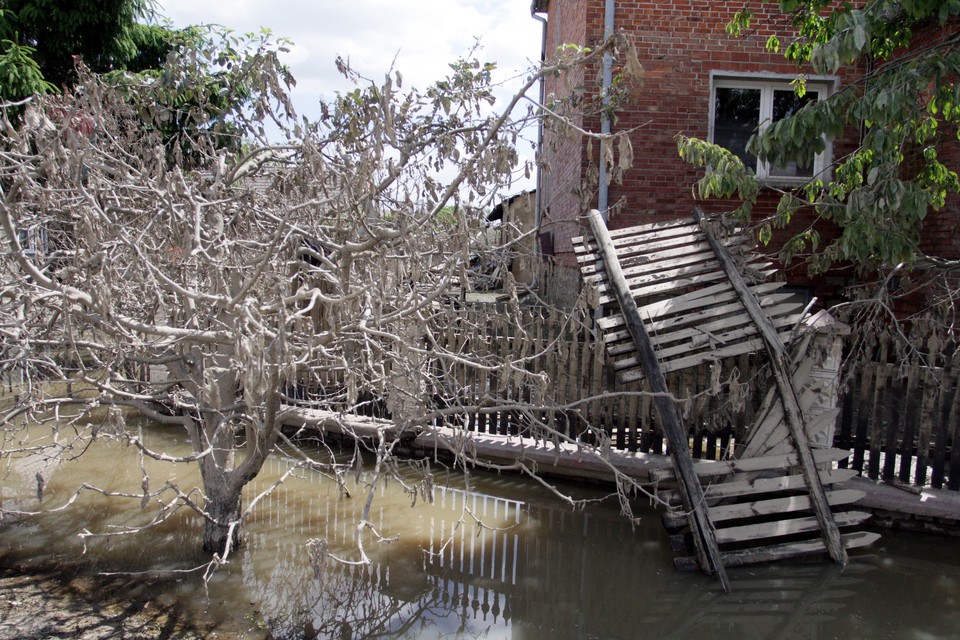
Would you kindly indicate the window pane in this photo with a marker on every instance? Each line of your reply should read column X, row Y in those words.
column 785, row 104
column 736, row 118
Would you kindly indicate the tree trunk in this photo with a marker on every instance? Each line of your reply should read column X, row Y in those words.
column 224, row 506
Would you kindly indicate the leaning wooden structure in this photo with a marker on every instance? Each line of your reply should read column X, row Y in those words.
column 686, row 294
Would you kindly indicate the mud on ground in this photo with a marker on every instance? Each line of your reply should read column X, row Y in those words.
column 44, row 605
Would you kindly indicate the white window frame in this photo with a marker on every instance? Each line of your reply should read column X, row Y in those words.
column 767, row 84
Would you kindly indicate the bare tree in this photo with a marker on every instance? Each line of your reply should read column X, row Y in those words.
column 203, row 285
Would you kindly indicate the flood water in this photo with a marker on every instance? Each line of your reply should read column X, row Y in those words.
column 537, row 569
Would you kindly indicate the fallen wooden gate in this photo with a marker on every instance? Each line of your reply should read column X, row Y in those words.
column 686, row 297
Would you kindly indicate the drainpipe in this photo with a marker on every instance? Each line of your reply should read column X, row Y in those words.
column 603, row 194
column 538, row 202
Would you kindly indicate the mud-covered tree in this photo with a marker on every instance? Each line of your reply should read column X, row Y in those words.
column 207, row 289
column 899, row 102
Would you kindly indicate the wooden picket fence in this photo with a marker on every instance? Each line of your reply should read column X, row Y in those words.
column 559, row 366
column 901, row 409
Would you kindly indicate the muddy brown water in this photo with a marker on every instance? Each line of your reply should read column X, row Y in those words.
column 536, row 569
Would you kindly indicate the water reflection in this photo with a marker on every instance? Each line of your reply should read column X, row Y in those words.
column 533, row 569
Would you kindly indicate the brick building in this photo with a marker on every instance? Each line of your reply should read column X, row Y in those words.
column 698, row 81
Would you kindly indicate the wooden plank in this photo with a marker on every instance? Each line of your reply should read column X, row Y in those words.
column 788, row 504
column 692, row 300
column 657, row 273
column 632, row 274
column 942, row 435
column 814, row 426
column 670, row 257
column 760, row 486
column 766, row 507
column 718, row 309
column 711, row 334
column 631, row 240
column 780, row 528
column 879, row 393
column 770, row 416
column 678, row 226
column 782, row 551
column 748, row 346
column 751, row 465
column 895, row 428
column 709, row 320
column 931, row 388
column 708, row 553
column 777, row 355
column 647, row 291
column 862, row 411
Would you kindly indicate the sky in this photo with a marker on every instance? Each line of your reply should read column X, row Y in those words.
column 419, row 37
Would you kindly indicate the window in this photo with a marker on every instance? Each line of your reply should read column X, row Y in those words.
column 740, row 107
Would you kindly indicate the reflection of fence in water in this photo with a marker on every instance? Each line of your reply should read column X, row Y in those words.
column 542, row 565
column 468, row 570
column 483, row 541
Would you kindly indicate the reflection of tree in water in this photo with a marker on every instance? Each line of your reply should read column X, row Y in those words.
column 358, row 601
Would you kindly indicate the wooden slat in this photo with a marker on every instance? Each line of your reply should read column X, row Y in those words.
column 750, row 465
column 709, row 318
column 953, row 476
column 783, row 551
column 778, row 438
column 780, row 528
column 931, row 389
column 646, row 291
column 702, row 332
column 722, row 292
column 681, row 227
column 712, row 342
column 759, row 486
column 663, row 288
column 770, row 416
column 599, row 275
column 780, row 505
column 659, row 272
column 767, row 506
column 748, row 346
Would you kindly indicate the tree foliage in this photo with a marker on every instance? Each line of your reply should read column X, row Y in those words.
column 902, row 107
column 102, row 33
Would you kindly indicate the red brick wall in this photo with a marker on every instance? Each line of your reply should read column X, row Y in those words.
column 679, row 44
column 563, row 155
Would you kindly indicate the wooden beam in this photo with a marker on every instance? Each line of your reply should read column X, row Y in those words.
column 791, row 409
column 705, row 538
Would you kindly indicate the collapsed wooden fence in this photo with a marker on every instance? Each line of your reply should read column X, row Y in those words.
column 900, row 410
column 900, row 415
